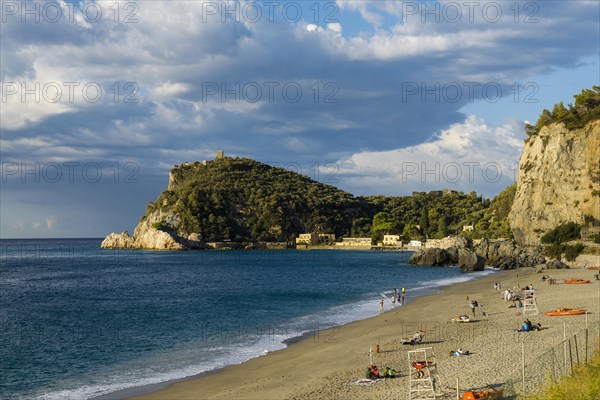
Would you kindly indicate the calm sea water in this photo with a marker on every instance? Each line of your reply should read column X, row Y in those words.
column 78, row 322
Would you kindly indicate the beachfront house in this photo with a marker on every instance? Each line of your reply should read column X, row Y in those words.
column 315, row 238
column 415, row 243
column 326, row 238
column 392, row 240
column 355, row 242
column 307, row 238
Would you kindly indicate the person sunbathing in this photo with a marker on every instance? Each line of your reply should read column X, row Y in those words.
column 459, row 352
column 416, row 338
column 527, row 326
column 461, row 318
column 389, row 372
column 374, row 372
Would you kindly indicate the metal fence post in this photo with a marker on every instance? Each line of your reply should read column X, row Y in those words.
column 586, row 346
column 565, row 346
column 523, row 363
column 576, row 349
column 570, row 356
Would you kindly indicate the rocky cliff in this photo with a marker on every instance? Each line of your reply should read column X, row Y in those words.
column 559, row 180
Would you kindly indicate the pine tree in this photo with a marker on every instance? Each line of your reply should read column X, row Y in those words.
column 424, row 221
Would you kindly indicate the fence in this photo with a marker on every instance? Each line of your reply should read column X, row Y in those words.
column 553, row 364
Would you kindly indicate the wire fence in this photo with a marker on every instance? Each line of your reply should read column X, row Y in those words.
column 553, row 364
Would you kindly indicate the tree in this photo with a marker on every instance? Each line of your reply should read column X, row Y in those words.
column 559, row 111
column 410, row 232
column 531, row 130
column 546, row 118
column 442, row 226
column 587, row 100
column 384, row 223
column 424, row 221
column 562, row 233
column 586, row 108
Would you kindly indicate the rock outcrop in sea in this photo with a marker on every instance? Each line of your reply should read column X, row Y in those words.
column 502, row 254
column 147, row 236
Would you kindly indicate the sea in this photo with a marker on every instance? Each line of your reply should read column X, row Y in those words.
column 77, row 322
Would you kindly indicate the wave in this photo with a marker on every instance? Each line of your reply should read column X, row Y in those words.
column 194, row 358
column 162, row 368
column 435, row 285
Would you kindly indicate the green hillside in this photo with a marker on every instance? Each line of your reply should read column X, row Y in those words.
column 240, row 199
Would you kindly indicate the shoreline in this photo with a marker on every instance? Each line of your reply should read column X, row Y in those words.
column 134, row 392
column 321, row 368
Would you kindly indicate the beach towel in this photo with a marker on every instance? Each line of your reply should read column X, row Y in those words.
column 365, row 382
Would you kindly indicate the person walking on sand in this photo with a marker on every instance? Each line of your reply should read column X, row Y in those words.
column 472, row 305
column 403, row 292
column 381, row 307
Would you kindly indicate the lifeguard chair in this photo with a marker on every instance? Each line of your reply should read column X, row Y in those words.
column 422, row 374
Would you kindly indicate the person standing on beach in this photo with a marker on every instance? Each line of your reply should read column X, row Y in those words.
column 472, row 305
column 395, row 296
column 381, row 307
column 403, row 292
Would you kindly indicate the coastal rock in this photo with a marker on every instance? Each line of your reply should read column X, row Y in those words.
column 454, row 252
column 150, row 240
column 448, row 242
column 432, row 257
column 256, row 246
column 225, row 245
column 157, row 231
column 551, row 264
column 507, row 254
column 194, row 242
column 154, row 239
column 558, row 176
column 118, row 241
column 469, row 261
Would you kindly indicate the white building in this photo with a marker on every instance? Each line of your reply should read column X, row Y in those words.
column 391, row 240
column 355, row 242
column 415, row 243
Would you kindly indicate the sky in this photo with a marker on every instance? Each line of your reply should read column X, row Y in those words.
column 100, row 99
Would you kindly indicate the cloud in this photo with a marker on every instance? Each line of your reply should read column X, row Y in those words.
column 471, row 155
column 50, row 223
column 354, row 74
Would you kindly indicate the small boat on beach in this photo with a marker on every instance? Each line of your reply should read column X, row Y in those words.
column 491, row 394
column 561, row 312
column 576, row 281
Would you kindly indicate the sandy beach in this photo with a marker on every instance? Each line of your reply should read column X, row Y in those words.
column 322, row 365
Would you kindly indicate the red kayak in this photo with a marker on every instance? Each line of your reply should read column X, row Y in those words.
column 492, row 394
column 561, row 312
